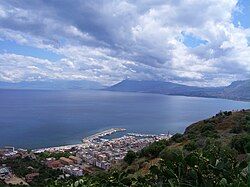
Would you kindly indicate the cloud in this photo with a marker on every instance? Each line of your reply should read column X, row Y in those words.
column 108, row 41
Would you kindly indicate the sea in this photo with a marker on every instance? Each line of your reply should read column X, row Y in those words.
column 40, row 118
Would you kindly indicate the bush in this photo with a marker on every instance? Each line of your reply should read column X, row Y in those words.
column 130, row 157
column 177, row 138
column 248, row 127
column 207, row 127
column 172, row 155
column 192, row 135
column 241, row 143
column 248, row 118
column 208, row 130
column 190, row 146
column 237, row 129
column 228, row 113
column 154, row 149
column 210, row 134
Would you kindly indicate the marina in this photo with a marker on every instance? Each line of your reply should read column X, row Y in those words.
column 84, row 140
column 103, row 133
column 95, row 150
column 99, row 136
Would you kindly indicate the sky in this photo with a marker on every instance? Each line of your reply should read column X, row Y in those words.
column 193, row 42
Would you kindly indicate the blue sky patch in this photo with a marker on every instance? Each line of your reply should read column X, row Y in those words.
column 242, row 17
column 13, row 47
column 192, row 41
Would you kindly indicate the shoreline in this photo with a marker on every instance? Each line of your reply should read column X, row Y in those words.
column 84, row 141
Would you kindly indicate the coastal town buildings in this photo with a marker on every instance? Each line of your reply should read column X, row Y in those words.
column 4, row 173
column 29, row 177
column 98, row 151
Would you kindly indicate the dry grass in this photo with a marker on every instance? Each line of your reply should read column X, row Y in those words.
column 14, row 180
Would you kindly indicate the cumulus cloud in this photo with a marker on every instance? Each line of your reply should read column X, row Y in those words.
column 108, row 41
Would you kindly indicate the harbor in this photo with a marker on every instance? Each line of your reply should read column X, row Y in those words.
column 98, row 138
column 84, row 141
column 94, row 153
column 103, row 133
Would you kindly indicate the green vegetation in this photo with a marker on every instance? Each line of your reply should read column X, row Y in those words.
column 24, row 166
column 130, row 157
column 154, row 149
column 191, row 145
column 55, row 155
column 241, row 143
column 177, row 138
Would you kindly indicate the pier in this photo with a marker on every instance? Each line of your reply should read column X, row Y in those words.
column 84, row 141
column 102, row 134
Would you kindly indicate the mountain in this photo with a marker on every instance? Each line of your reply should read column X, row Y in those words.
column 238, row 90
column 52, row 85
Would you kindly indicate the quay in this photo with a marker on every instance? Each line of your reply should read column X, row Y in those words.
column 102, row 134
column 58, row 148
column 147, row 135
column 80, row 145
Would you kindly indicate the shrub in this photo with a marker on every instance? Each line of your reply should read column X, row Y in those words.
column 154, row 149
column 130, row 157
column 190, row 146
column 177, row 138
column 241, row 143
column 210, row 134
column 248, row 118
column 237, row 129
column 172, row 154
column 207, row 127
column 228, row 113
column 248, row 127
column 192, row 135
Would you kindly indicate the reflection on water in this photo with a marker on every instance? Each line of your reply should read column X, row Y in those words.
column 33, row 119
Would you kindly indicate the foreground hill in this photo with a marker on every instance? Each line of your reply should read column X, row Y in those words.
column 212, row 152
column 52, row 85
column 238, row 90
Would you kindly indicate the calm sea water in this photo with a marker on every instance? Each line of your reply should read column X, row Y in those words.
column 35, row 119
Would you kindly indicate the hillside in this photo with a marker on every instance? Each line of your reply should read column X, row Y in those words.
column 212, row 152
column 238, row 90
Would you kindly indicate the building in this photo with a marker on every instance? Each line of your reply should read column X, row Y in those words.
column 105, row 165
column 29, row 177
column 73, row 170
column 75, row 159
column 66, row 161
column 4, row 173
column 98, row 164
column 102, row 157
column 88, row 170
column 54, row 164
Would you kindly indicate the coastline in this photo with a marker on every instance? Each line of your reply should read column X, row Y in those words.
column 87, row 140
column 84, row 140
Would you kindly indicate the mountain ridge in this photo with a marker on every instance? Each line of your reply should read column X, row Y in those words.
column 238, row 90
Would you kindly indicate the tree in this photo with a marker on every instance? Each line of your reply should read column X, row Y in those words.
column 130, row 157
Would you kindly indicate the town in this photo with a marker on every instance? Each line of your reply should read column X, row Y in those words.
column 96, row 152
